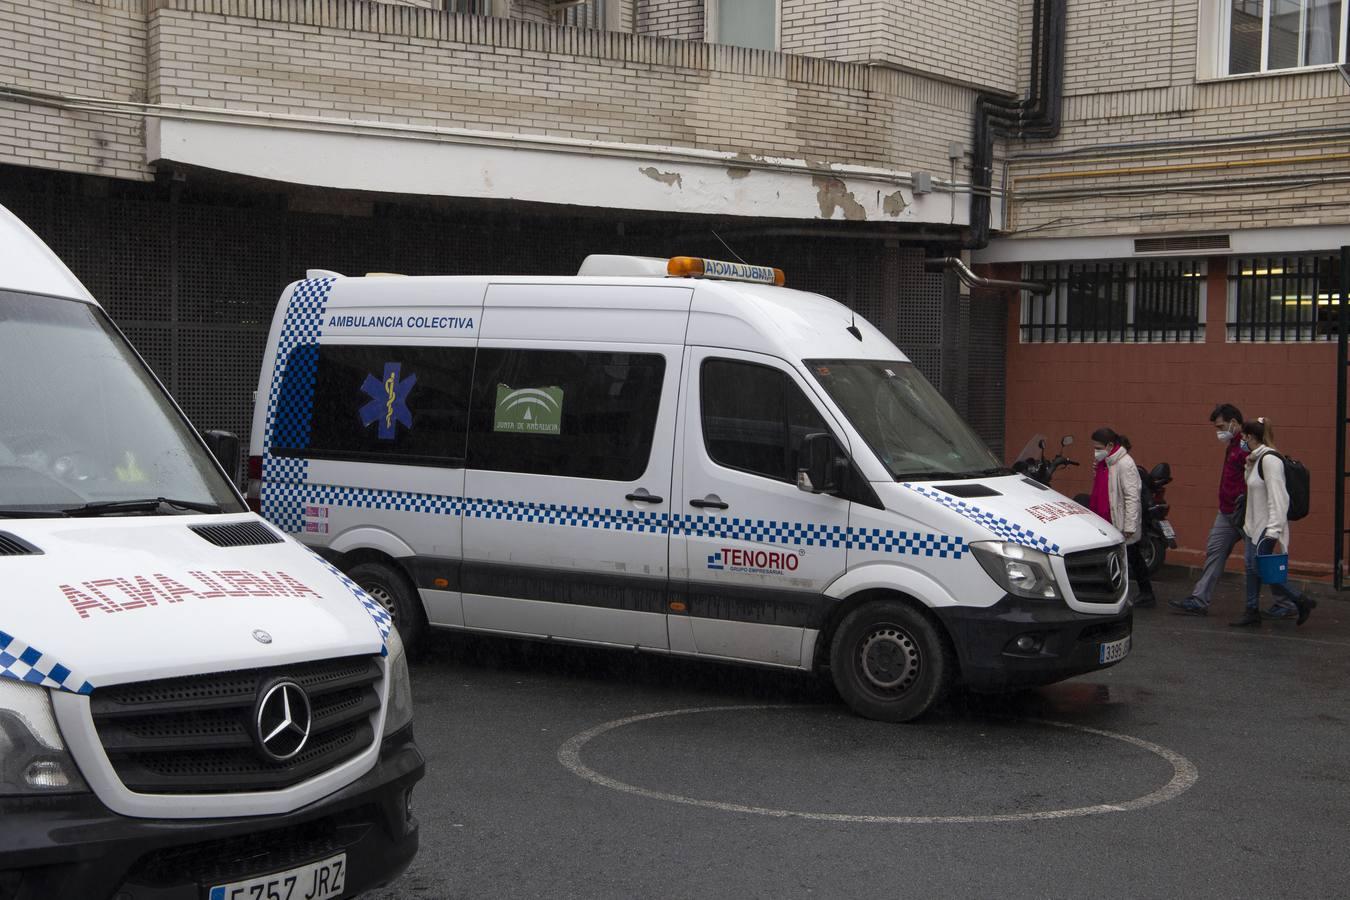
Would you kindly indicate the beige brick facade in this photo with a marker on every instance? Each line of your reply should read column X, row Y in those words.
column 1254, row 158
column 679, row 19
column 89, row 49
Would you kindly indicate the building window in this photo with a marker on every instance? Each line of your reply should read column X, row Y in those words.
column 1279, row 35
column 743, row 23
column 1126, row 301
column 583, row 14
column 470, row 7
column 1283, row 298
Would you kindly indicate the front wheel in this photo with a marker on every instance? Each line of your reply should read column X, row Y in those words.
column 392, row 590
column 890, row 662
column 1153, row 550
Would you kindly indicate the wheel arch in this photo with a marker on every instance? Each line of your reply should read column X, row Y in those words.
column 876, row 583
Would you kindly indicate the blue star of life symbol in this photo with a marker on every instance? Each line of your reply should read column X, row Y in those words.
column 388, row 400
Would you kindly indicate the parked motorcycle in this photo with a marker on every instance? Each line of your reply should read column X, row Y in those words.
column 1032, row 463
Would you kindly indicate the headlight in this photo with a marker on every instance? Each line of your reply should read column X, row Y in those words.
column 400, row 709
column 33, row 758
column 1018, row 570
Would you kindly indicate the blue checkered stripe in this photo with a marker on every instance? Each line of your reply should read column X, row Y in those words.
column 760, row 531
column 290, row 401
column 383, row 621
column 30, row 665
column 763, row 531
column 999, row 525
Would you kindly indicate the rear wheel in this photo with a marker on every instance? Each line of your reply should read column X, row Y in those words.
column 890, row 662
column 391, row 589
column 1153, row 550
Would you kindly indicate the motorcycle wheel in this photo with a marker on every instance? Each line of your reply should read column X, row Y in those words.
column 1154, row 551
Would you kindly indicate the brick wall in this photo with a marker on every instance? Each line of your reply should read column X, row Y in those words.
column 94, row 48
column 519, row 77
column 1161, row 395
column 681, row 19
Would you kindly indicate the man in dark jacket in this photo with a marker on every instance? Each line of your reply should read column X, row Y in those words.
column 1224, row 536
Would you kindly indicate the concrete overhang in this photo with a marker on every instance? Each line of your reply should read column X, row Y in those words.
column 453, row 163
column 1248, row 242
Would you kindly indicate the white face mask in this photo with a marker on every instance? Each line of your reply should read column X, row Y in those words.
column 1225, row 436
column 1100, row 455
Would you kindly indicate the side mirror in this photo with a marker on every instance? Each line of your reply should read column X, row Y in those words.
column 225, row 447
column 820, row 465
column 1066, row 441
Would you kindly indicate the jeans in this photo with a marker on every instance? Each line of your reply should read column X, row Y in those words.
column 1223, row 537
column 1254, row 576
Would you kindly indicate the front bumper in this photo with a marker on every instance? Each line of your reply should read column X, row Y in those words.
column 1069, row 641
column 74, row 846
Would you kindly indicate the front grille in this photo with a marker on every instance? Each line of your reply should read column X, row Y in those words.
column 237, row 534
column 237, row 858
column 196, row 734
column 1090, row 574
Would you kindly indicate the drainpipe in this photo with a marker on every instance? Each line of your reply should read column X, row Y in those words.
column 970, row 279
column 1035, row 116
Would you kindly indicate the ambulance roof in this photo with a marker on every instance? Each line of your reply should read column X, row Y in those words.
column 27, row 264
column 737, row 315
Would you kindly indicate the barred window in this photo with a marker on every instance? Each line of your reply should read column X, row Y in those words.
column 1116, row 301
column 1283, row 298
column 470, row 7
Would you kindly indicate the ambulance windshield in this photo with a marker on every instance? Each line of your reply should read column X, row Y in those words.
column 82, row 422
column 904, row 419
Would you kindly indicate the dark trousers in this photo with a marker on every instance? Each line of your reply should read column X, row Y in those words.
column 1138, row 569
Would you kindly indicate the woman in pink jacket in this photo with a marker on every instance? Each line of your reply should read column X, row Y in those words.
column 1116, row 497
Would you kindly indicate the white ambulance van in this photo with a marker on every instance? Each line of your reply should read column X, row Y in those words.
column 191, row 704
column 677, row 456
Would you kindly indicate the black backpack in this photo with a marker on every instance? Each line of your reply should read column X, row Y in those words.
column 1296, row 481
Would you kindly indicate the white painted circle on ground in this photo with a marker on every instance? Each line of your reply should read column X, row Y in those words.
column 1184, row 775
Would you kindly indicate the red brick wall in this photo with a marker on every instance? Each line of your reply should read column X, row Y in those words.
column 1160, row 395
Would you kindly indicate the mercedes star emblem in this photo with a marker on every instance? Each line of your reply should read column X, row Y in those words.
column 1114, row 572
column 283, row 720
column 261, row 636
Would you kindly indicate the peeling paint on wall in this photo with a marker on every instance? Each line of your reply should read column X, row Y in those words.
column 832, row 194
column 894, row 204
column 669, row 179
column 737, row 172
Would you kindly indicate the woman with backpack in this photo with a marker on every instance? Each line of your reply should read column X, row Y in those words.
column 1266, row 526
column 1116, row 497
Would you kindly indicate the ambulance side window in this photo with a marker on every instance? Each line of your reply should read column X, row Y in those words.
column 566, row 413
column 388, row 404
column 754, row 418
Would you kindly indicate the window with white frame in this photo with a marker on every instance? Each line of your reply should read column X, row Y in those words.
column 1280, row 35
column 1116, row 301
column 743, row 23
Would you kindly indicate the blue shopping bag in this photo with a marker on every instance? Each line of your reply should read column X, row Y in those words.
column 1273, row 567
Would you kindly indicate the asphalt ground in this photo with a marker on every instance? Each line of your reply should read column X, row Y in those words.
column 1213, row 762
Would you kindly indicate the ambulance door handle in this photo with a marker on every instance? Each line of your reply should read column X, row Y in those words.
column 642, row 496
column 712, row 501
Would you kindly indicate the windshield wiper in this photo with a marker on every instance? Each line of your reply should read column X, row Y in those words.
column 32, row 514
column 984, row 473
column 151, row 504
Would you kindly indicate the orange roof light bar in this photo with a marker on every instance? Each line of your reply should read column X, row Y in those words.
column 696, row 267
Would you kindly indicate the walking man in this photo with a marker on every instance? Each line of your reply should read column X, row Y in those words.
column 1225, row 535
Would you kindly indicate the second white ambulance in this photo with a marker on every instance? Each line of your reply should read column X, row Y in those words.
column 677, row 456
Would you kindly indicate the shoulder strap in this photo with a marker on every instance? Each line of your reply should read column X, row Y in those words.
column 1261, row 463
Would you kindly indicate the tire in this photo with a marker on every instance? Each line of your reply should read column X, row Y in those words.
column 890, row 662
column 1153, row 549
column 392, row 590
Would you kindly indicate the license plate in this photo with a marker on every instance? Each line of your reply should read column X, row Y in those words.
column 1112, row 652
column 315, row 881
column 1168, row 531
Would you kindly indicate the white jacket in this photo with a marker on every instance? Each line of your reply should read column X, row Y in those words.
column 1267, row 498
column 1122, row 478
